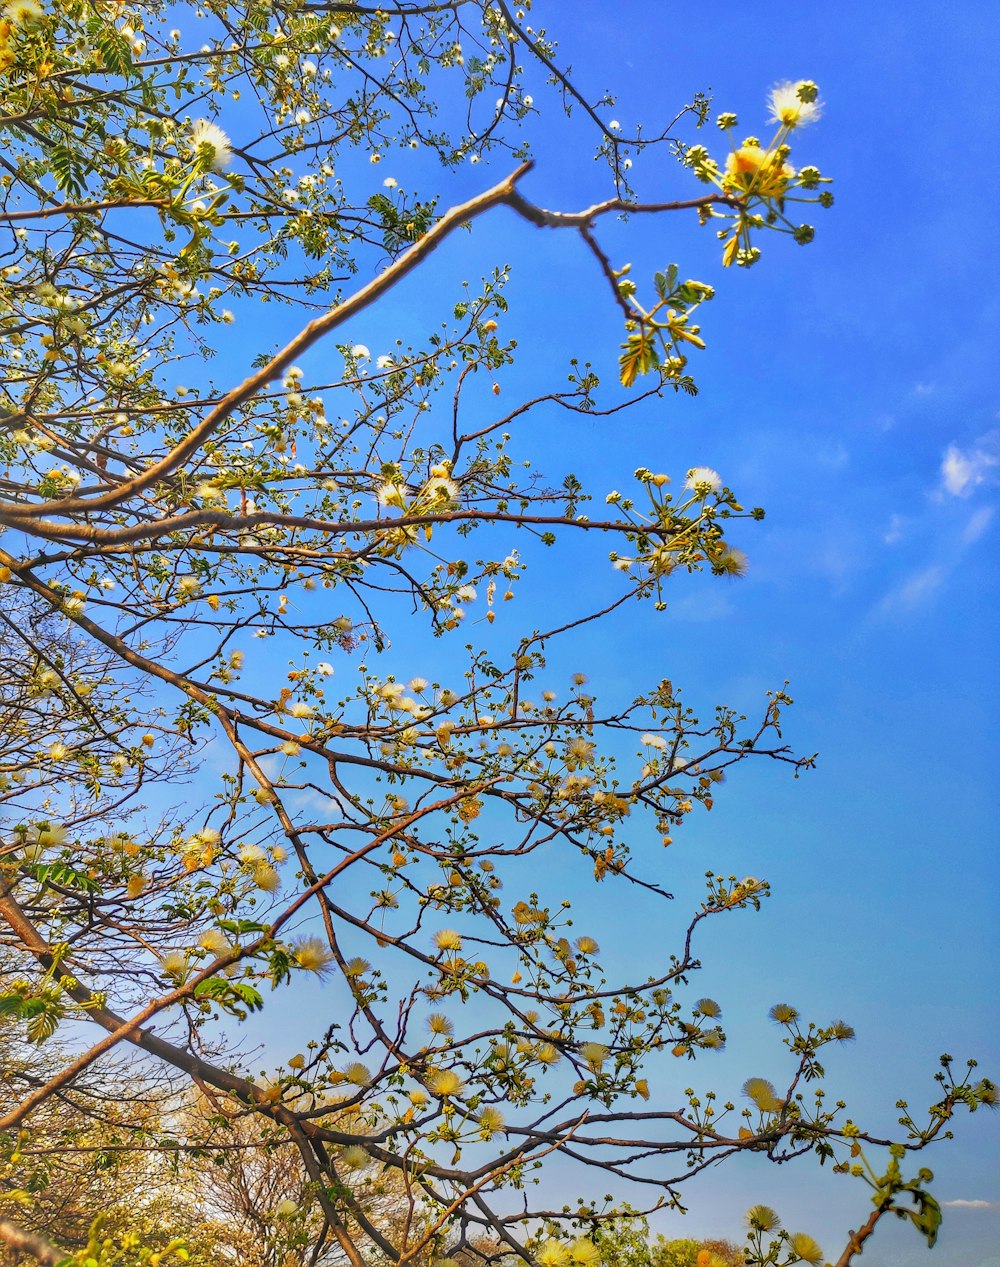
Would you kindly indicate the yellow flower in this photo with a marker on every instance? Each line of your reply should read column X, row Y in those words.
column 762, row 1219
column 266, row 878
column 584, row 1251
column 752, row 170
column 175, row 964
column 313, row 954
column 594, row 1054
column 730, row 562
column 447, row 939
column 806, row 1248
column 48, row 835
column 470, row 809
column 357, row 1074
column 763, row 1094
column 490, row 1121
column 578, row 752
column 547, row 1054
column 354, row 1157
column 214, row 940
column 445, row 1082
column 552, row 1254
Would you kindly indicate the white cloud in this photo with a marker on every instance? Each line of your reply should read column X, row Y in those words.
column 954, row 529
column 895, row 531
column 915, row 590
column 962, row 470
column 707, row 605
column 960, row 1203
column 978, row 524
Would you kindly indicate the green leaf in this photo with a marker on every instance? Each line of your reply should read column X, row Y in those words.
column 211, row 988
column 68, row 171
column 11, row 1005
column 666, row 281
column 44, row 1025
column 249, row 995
column 114, row 49
column 638, row 356
column 229, row 993
column 241, row 926
column 63, row 874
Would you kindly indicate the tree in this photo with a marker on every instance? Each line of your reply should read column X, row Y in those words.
column 381, row 839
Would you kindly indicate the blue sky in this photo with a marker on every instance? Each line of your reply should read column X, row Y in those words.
column 850, row 388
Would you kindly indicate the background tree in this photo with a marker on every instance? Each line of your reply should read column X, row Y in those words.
column 384, row 836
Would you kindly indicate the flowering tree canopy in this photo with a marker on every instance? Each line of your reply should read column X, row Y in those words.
column 226, row 792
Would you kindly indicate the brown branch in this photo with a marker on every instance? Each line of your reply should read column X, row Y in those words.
column 81, row 208
column 23, row 1242
column 111, row 538
column 857, row 1239
column 356, row 303
column 503, row 194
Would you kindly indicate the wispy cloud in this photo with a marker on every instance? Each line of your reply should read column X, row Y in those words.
column 915, row 590
column 960, row 1203
column 895, row 531
column 978, row 524
column 963, row 470
column 706, row 605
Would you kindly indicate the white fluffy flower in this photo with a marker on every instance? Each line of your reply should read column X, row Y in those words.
column 23, row 13
column 443, row 492
column 206, row 134
column 359, row 350
column 789, row 109
column 703, row 477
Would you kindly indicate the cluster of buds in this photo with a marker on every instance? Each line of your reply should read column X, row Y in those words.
column 759, row 177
